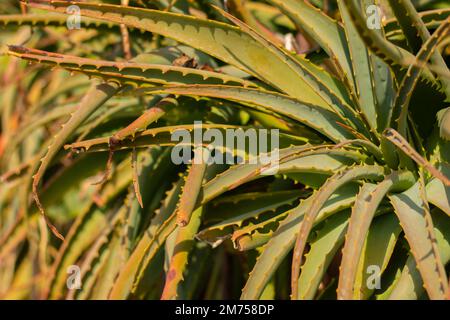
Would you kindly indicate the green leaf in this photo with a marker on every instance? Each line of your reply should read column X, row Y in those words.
column 312, row 77
column 410, row 285
column 366, row 205
column 215, row 38
column 362, row 69
column 84, row 231
column 283, row 240
column 324, row 247
column 444, row 123
column 96, row 96
column 389, row 52
column 417, row 34
column 328, row 33
column 240, row 174
column 320, row 119
column 191, row 190
column 45, row 19
column 431, row 18
column 127, row 73
column 439, row 195
column 241, row 209
column 399, row 113
column 183, row 246
column 319, row 198
column 407, row 22
column 378, row 250
column 258, row 233
column 161, row 226
column 411, row 212
column 98, row 254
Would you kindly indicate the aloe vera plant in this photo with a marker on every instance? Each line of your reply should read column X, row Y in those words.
column 358, row 207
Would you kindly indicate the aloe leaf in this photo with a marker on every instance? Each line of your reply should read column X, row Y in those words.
column 161, row 136
column 383, row 81
column 407, row 285
column 444, row 123
column 384, row 89
column 334, row 85
column 153, row 180
column 164, row 218
column 411, row 211
column 96, row 96
column 431, row 18
column 319, row 198
column 112, row 255
column 199, row 264
column 366, row 205
column 151, row 245
column 250, row 207
column 439, row 195
column 408, row 22
column 98, row 252
column 308, row 73
column 390, row 53
column 82, row 234
column 369, row 146
column 100, row 278
column 183, row 246
column 361, row 69
column 17, row 234
column 90, row 217
column 18, row 287
column 132, row 73
column 320, row 119
column 60, row 196
column 321, row 163
column 190, row 193
column 327, row 32
column 398, row 116
column 417, row 34
column 215, row 38
column 324, row 247
column 240, row 174
column 283, row 240
column 410, row 285
column 400, row 142
column 256, row 234
column 84, row 231
column 378, row 251
column 45, row 19
column 124, row 283
column 35, row 123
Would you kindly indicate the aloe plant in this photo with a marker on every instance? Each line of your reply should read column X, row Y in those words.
column 358, row 209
